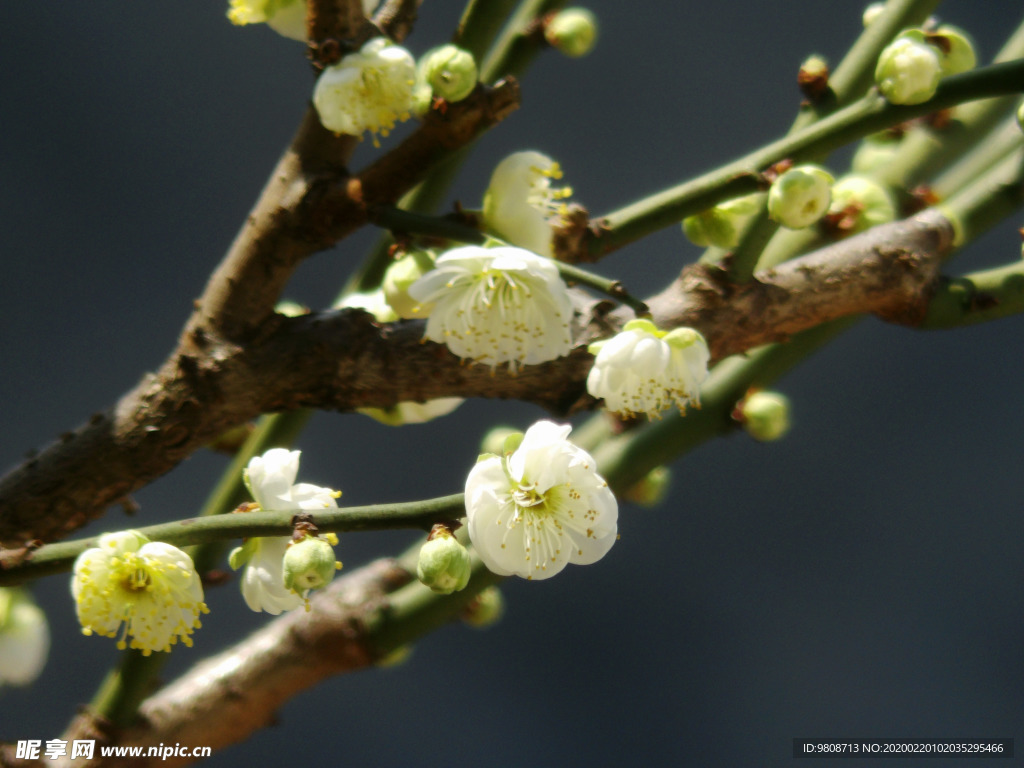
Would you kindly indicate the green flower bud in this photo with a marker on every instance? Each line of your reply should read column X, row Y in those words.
column 486, row 609
column 800, row 196
column 765, row 415
column 875, row 152
column 1020, row 116
column 872, row 12
column 449, row 71
column 309, row 563
column 444, row 563
column 494, row 441
column 572, row 31
column 399, row 276
column 956, row 52
column 722, row 225
column 813, row 78
column 909, row 69
column 651, row 491
column 859, row 203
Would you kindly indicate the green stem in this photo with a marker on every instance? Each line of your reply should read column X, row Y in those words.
column 977, row 298
column 742, row 176
column 126, row 686
column 480, row 23
column 411, row 223
column 59, row 557
column 984, row 202
column 611, row 288
column 980, row 160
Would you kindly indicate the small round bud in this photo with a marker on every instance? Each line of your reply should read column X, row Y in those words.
column 309, row 564
column 449, row 71
column 486, row 609
column 722, row 225
column 765, row 415
column 859, row 203
column 956, row 51
column 872, row 12
column 875, row 152
column 800, row 196
column 1020, row 116
column 494, row 441
column 444, row 563
column 24, row 637
column 572, row 31
column 813, row 78
column 909, row 69
column 399, row 276
column 651, row 491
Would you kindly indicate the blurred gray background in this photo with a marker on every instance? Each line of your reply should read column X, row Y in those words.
column 861, row 578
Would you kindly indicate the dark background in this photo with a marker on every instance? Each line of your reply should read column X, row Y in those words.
column 861, row 578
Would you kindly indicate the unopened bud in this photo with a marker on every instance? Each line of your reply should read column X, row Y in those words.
column 486, row 609
column 813, row 78
column 909, row 69
column 722, row 225
column 494, row 441
column 309, row 564
column 875, row 152
column 956, row 51
column 800, row 196
column 651, row 491
column 765, row 415
column 859, row 203
column 572, row 31
column 444, row 563
column 872, row 12
column 1020, row 116
column 449, row 71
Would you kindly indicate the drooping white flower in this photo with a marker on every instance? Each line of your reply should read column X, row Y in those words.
column 271, row 481
column 520, row 205
column 646, row 370
column 497, row 305
column 149, row 588
column 369, row 90
column 24, row 638
column 540, row 507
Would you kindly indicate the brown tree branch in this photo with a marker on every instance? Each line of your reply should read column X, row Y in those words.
column 344, row 360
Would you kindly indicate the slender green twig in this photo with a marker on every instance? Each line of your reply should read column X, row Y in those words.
column 980, row 205
column 1003, row 140
column 58, row 557
column 977, row 298
column 480, row 23
column 612, row 288
column 869, row 114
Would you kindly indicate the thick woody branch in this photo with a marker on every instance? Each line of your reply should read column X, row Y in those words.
column 344, row 360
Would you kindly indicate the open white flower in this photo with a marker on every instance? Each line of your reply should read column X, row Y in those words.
column 521, row 206
column 148, row 587
column 369, row 90
column 271, row 481
column 647, row 370
column 497, row 305
column 540, row 507
column 24, row 637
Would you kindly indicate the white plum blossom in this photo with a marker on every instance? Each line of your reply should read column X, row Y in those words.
column 24, row 637
column 646, row 370
column 271, row 481
column 145, row 590
column 369, row 90
column 497, row 305
column 520, row 205
column 540, row 507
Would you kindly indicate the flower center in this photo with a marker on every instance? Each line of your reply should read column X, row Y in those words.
column 133, row 574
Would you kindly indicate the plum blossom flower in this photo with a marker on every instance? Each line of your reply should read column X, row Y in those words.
column 540, row 507
column 148, row 591
column 24, row 637
column 521, row 206
column 497, row 305
column 271, row 481
column 647, row 370
column 369, row 90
